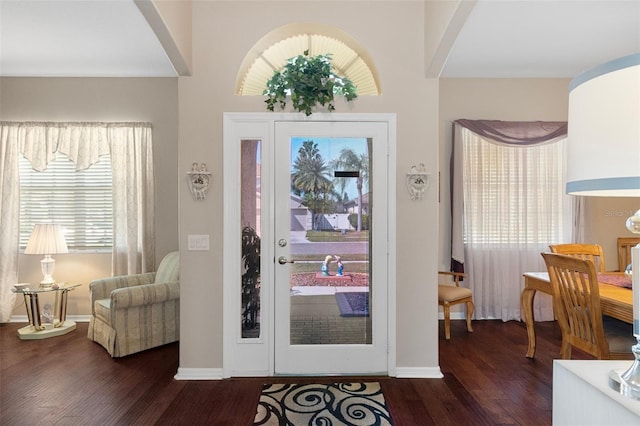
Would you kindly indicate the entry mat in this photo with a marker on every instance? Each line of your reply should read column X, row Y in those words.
column 322, row 404
column 353, row 304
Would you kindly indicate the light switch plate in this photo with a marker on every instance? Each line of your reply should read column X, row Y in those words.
column 198, row 242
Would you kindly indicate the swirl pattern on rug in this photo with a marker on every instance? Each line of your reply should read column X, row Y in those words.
column 333, row 404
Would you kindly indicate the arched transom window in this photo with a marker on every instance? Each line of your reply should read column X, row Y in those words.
column 271, row 52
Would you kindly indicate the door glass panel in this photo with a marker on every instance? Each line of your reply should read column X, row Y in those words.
column 250, row 235
column 331, row 285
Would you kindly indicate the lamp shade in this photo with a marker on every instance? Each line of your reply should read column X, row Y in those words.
column 46, row 238
column 603, row 147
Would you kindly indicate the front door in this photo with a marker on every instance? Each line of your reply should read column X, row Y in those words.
column 330, row 310
column 331, row 247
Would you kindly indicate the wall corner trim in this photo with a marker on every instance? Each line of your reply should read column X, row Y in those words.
column 419, row 373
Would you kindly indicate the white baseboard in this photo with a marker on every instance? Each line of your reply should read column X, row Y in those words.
column 199, row 374
column 419, row 373
column 248, row 373
column 217, row 373
column 74, row 318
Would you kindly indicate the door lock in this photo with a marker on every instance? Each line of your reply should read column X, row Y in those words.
column 282, row 260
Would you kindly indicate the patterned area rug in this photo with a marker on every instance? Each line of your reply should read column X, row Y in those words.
column 353, row 304
column 322, row 404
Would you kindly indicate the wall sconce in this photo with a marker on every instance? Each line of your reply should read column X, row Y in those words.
column 417, row 182
column 199, row 181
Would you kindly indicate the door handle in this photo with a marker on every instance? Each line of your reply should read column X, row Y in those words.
column 282, row 260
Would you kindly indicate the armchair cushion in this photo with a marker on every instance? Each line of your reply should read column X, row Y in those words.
column 137, row 312
column 148, row 294
column 102, row 310
column 169, row 269
column 101, row 289
column 450, row 293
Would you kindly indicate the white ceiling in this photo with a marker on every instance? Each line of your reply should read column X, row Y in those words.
column 543, row 38
column 501, row 38
column 78, row 38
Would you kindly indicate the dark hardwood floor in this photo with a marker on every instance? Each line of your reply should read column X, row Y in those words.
column 69, row 380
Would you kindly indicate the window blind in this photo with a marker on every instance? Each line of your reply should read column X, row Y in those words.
column 80, row 201
column 513, row 195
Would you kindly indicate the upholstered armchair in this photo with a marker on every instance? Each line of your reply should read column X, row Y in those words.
column 132, row 313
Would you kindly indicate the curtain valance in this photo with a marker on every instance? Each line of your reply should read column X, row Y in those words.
column 516, row 132
column 82, row 142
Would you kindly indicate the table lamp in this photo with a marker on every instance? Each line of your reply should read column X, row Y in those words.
column 47, row 239
column 603, row 154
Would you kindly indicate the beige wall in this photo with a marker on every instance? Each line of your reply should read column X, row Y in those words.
column 521, row 99
column 382, row 28
column 605, row 220
column 152, row 100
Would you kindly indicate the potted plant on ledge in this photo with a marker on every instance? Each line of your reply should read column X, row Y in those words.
column 308, row 80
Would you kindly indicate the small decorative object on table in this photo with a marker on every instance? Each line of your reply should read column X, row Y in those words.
column 20, row 287
column 47, row 314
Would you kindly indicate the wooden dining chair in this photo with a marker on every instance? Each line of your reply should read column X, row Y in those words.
column 592, row 252
column 624, row 251
column 453, row 294
column 576, row 302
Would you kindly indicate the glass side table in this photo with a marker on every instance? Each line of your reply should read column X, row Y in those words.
column 37, row 329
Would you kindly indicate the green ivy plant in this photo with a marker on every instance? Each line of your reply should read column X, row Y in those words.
column 309, row 80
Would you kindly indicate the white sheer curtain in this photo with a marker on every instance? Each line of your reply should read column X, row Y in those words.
column 130, row 147
column 134, row 200
column 9, row 214
column 509, row 204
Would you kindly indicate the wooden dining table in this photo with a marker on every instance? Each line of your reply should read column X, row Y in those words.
column 615, row 301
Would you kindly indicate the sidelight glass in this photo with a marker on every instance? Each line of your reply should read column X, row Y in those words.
column 250, row 237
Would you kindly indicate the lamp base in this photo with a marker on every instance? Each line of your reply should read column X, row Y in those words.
column 628, row 382
column 47, row 283
column 47, row 265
